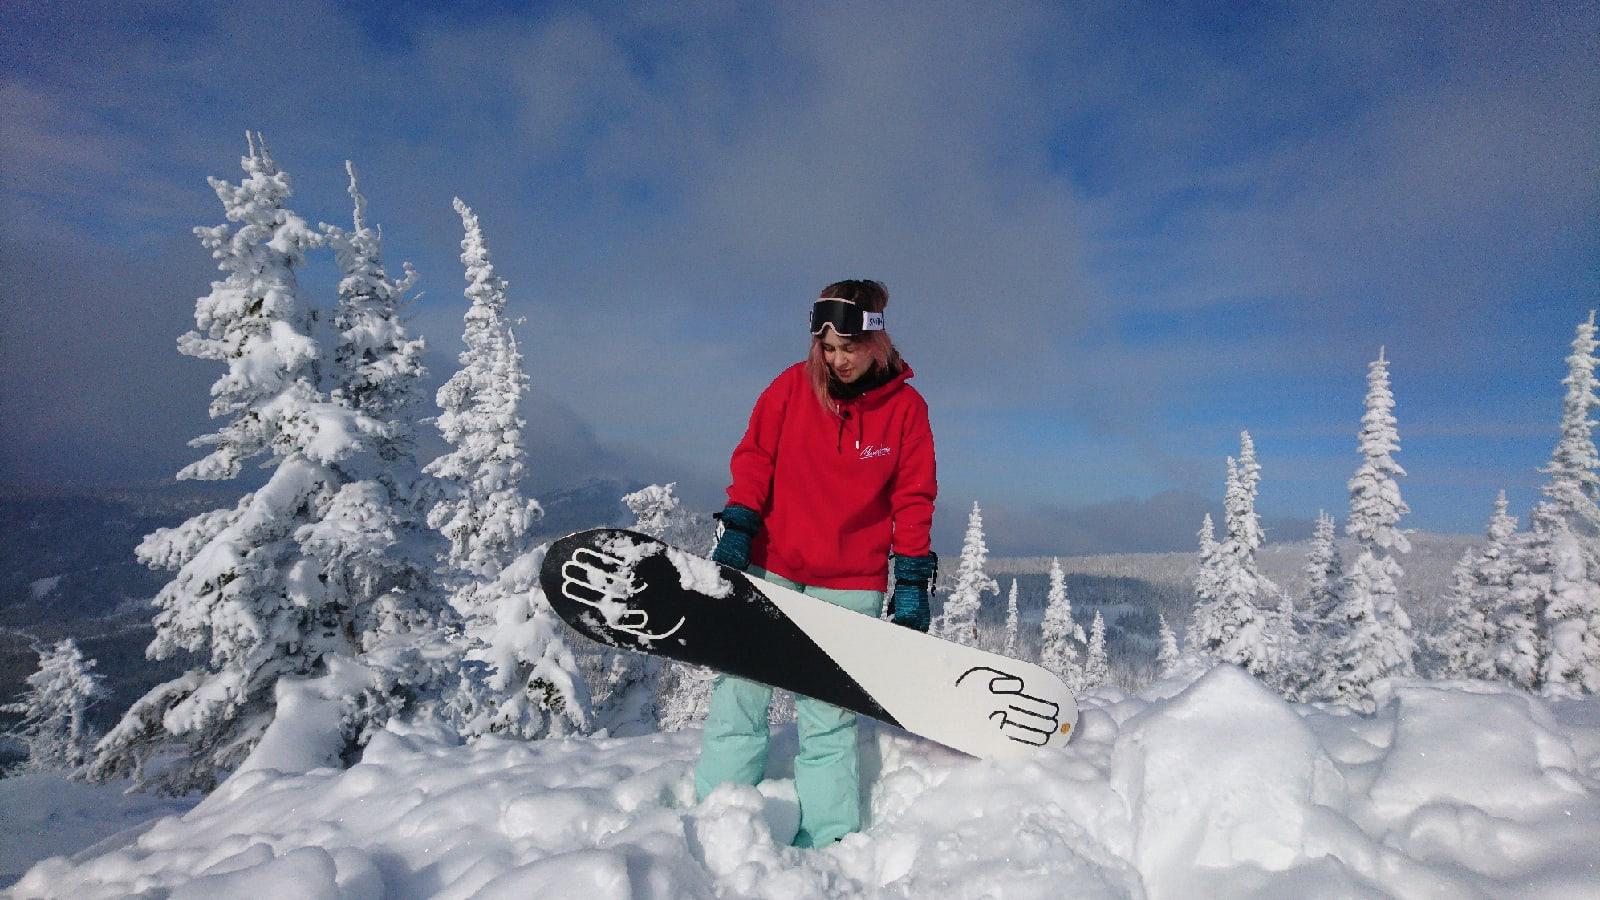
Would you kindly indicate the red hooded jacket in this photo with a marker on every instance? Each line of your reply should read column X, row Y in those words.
column 836, row 492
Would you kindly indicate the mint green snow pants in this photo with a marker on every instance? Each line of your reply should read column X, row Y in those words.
column 826, row 776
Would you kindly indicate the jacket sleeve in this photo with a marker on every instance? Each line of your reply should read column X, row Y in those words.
column 916, row 486
column 756, row 457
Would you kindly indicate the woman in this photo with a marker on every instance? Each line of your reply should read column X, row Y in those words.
column 835, row 472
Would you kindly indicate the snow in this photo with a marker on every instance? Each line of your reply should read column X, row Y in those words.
column 1264, row 779
column 45, row 814
column 699, row 574
column 40, row 588
column 1206, row 784
column 307, row 728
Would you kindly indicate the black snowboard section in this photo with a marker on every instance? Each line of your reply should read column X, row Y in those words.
column 742, row 634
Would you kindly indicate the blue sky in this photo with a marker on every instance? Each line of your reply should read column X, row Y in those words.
column 1114, row 234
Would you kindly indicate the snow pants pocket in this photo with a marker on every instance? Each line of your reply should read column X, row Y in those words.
column 826, row 774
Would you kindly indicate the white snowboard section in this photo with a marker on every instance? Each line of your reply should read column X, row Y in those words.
column 980, row 703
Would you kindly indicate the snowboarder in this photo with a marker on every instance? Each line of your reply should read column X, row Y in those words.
column 835, row 472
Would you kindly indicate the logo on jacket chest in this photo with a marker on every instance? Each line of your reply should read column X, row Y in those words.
column 873, row 451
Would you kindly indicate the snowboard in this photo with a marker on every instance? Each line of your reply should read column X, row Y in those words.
column 633, row 592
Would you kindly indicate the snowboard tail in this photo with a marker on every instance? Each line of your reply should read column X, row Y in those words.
column 630, row 591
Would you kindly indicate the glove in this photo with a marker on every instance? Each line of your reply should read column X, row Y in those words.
column 913, row 579
column 739, row 525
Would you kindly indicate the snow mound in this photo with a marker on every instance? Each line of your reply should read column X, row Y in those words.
column 1204, row 785
column 1223, row 774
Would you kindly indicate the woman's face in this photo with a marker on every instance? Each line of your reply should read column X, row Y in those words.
column 846, row 358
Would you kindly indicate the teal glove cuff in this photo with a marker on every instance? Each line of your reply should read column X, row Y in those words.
column 739, row 525
column 740, row 518
column 917, row 568
column 913, row 582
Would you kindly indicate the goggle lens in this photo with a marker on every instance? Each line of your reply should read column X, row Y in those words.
column 846, row 318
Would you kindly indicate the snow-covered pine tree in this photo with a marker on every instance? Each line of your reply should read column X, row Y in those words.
column 1010, row 647
column 534, row 688
column 654, row 508
column 1324, row 571
column 1476, row 602
column 1167, row 655
column 1097, row 664
column 252, row 600
column 959, row 621
column 1567, row 532
column 54, row 727
column 1374, row 630
column 1060, row 635
column 1456, row 650
column 1520, row 651
column 1494, row 570
column 1294, row 672
column 1574, row 485
column 377, row 365
column 1207, row 583
column 1240, row 624
column 483, row 513
column 374, row 544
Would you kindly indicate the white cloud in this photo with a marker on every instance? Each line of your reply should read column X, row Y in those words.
column 666, row 185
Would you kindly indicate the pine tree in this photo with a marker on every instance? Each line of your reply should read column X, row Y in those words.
column 1207, row 583
column 253, row 599
column 1574, row 485
column 1571, row 618
column 1240, row 623
column 1324, row 571
column 1457, row 647
column 1061, row 635
column 54, row 726
column 1167, row 656
column 1097, row 666
column 1316, row 628
column 1375, row 633
column 533, row 688
column 1547, row 634
column 1566, row 532
column 1523, row 646
column 653, row 508
column 374, row 545
column 1011, row 621
column 484, row 515
column 1294, row 673
column 959, row 622
column 1475, row 603
column 377, row 366
column 658, row 512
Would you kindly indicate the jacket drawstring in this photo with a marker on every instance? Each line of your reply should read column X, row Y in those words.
column 861, row 430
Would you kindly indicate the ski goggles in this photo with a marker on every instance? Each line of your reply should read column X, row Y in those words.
column 847, row 319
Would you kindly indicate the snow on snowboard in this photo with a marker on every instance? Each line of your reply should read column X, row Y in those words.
column 633, row 592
